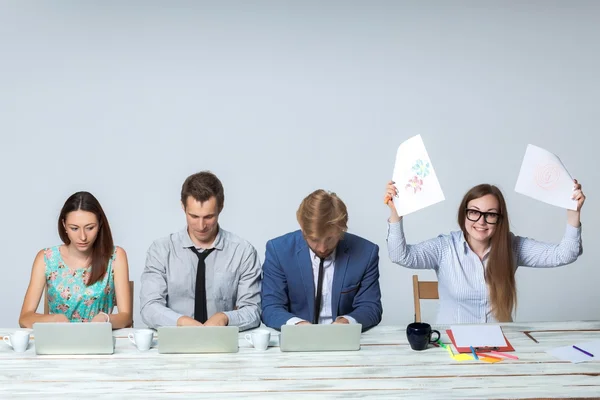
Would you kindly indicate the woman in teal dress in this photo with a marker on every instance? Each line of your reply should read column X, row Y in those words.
column 86, row 276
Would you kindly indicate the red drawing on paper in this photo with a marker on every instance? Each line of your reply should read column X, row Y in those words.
column 547, row 176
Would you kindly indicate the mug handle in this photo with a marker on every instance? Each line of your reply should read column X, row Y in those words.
column 7, row 340
column 436, row 339
column 131, row 338
column 248, row 338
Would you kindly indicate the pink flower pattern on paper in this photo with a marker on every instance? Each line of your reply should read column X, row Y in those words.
column 415, row 183
column 68, row 293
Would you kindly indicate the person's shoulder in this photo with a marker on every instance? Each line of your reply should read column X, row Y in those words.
column 120, row 252
column 231, row 239
column 40, row 256
column 165, row 242
column 453, row 241
column 48, row 257
column 454, row 236
column 287, row 239
column 161, row 248
column 48, row 253
column 355, row 240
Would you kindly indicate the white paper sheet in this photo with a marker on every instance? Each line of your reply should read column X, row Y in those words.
column 568, row 353
column 415, row 179
column 478, row 335
column 544, row 177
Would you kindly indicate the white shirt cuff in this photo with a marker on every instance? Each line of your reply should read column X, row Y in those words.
column 293, row 321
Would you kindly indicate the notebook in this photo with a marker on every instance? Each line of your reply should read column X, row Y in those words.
column 73, row 338
column 197, row 339
column 467, row 349
column 330, row 337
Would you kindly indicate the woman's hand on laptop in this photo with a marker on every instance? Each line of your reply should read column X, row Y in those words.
column 219, row 319
column 303, row 323
column 187, row 321
column 60, row 318
column 100, row 317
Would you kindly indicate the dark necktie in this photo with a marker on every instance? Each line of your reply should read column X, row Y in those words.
column 200, row 313
column 319, row 293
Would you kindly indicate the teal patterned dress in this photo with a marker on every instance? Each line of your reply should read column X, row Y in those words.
column 68, row 293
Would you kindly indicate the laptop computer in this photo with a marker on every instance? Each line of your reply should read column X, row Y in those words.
column 198, row 339
column 73, row 338
column 329, row 337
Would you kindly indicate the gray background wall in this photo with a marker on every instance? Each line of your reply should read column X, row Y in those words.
column 278, row 98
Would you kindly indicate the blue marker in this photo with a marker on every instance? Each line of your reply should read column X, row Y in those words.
column 474, row 354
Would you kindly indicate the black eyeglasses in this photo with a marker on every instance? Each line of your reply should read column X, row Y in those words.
column 491, row 218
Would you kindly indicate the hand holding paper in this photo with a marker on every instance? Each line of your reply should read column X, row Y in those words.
column 415, row 184
column 544, row 177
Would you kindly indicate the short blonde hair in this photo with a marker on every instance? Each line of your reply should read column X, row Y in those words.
column 320, row 211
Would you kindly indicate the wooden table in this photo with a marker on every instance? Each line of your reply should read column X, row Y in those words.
column 385, row 367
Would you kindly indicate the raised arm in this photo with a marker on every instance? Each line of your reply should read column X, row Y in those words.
column 532, row 253
column 424, row 255
column 37, row 284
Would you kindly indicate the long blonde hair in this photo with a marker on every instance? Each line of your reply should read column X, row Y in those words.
column 500, row 270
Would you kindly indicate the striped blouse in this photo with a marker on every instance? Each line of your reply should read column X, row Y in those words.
column 464, row 296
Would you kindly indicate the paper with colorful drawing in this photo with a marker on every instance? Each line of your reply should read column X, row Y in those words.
column 544, row 177
column 415, row 178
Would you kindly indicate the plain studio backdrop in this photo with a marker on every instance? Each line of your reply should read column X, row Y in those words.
column 279, row 98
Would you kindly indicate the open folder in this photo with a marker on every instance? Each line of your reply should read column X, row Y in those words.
column 467, row 349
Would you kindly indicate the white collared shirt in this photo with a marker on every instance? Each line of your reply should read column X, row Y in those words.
column 326, row 315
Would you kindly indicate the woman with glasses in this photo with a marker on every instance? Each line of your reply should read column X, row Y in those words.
column 476, row 266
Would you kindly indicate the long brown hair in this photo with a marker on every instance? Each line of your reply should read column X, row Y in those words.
column 500, row 270
column 103, row 246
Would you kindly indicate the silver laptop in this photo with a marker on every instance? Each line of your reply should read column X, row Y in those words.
column 197, row 339
column 329, row 337
column 73, row 338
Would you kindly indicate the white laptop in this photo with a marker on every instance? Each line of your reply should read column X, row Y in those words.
column 197, row 339
column 73, row 338
column 329, row 337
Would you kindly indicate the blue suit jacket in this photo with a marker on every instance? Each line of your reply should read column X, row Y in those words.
column 288, row 288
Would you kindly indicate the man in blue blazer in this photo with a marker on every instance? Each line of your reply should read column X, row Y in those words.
column 320, row 273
